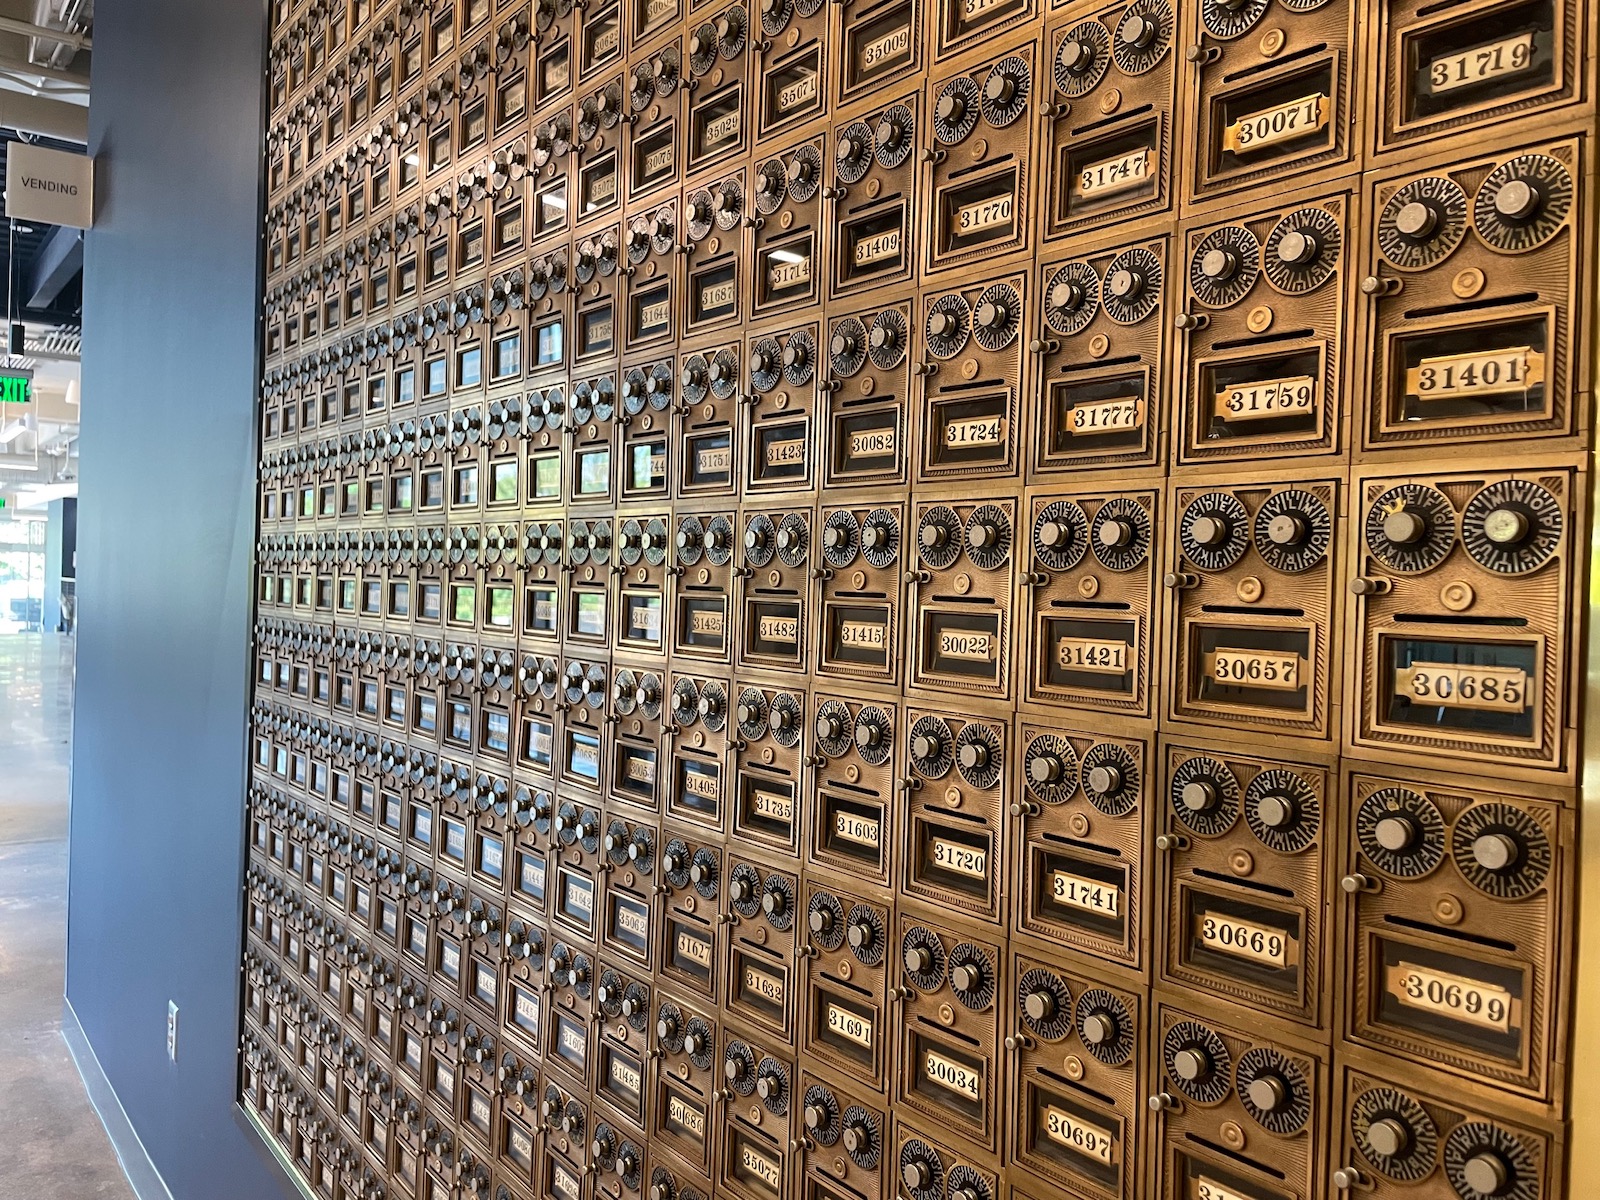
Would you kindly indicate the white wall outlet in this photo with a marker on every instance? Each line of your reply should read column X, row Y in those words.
column 172, row 1031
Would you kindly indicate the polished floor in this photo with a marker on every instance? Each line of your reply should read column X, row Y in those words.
column 54, row 1147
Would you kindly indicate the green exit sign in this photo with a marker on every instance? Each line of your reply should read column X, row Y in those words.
column 16, row 389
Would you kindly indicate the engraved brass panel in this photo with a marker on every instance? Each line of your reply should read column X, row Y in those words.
column 1211, row 1081
column 1453, row 941
column 921, row 599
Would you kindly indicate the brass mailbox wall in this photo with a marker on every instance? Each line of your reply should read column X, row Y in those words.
column 940, row 599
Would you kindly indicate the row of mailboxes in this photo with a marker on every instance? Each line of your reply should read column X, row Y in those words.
column 1433, row 610
column 1232, row 342
column 1132, row 104
column 1432, row 922
column 1059, row 1070
column 773, row 215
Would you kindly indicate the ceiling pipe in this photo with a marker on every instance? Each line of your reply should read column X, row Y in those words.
column 66, row 37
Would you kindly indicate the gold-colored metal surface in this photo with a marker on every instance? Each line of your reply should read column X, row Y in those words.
column 925, row 599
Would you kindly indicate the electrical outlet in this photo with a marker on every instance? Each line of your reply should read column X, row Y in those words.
column 172, row 1031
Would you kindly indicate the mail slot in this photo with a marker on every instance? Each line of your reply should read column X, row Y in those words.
column 598, row 38
column 571, row 974
column 881, row 43
column 654, row 134
column 781, row 372
column 689, row 944
column 708, row 381
column 756, row 1146
column 550, row 179
column 761, row 908
column 1267, row 104
column 770, row 767
column 950, row 1069
column 962, row 595
column 1077, row 1119
column 843, row 1151
column 714, row 288
column 929, row 1162
column 637, row 776
column 775, row 589
column 1103, row 363
column 703, row 594
column 963, row 24
column 788, row 252
column 1110, row 119
column 649, row 19
column 595, row 266
column 874, row 177
column 1477, row 665
column 956, row 848
column 793, row 72
column 699, row 740
column 646, row 421
column 719, row 63
column 867, row 430
column 474, row 238
column 1258, row 934
column 1452, row 905
column 560, row 1178
column 1085, row 810
column 1208, row 1073
column 543, row 552
column 1462, row 69
column 979, row 172
column 689, row 1074
column 1493, row 360
column 1265, row 384
column 575, row 900
column 651, row 289
column 1092, row 587
column 970, row 364
column 619, row 1158
column 630, row 920
column 623, row 994
column 855, row 819
column 848, row 961
column 1255, row 655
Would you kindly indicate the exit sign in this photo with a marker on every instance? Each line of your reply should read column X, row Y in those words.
column 16, row 389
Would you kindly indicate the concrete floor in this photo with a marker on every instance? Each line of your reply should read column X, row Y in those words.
column 54, row 1145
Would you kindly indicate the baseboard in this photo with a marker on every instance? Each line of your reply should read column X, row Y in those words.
column 142, row 1175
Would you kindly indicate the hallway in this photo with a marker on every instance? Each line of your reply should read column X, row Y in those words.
column 55, row 1146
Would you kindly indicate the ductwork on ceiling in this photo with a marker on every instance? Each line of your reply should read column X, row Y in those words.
column 71, row 17
column 45, row 90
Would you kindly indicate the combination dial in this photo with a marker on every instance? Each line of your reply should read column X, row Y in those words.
column 1205, row 796
column 1523, row 203
column 1410, row 528
column 1197, row 1062
column 1422, row 223
column 1394, row 1134
column 1046, row 1004
column 1401, row 832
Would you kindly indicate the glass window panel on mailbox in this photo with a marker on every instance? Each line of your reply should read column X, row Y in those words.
column 921, row 599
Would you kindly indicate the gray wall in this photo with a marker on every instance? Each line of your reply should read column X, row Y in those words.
column 164, row 548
